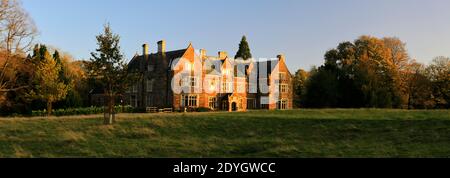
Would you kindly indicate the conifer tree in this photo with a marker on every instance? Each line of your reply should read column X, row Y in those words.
column 109, row 68
column 244, row 50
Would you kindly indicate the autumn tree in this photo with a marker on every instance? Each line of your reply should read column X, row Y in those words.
column 17, row 32
column 418, row 87
column 299, row 82
column 49, row 85
column 72, row 74
column 244, row 50
column 109, row 68
column 439, row 74
column 364, row 73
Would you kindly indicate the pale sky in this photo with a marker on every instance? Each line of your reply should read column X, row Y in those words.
column 303, row 30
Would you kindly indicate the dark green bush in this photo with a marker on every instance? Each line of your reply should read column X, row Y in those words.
column 203, row 109
column 84, row 111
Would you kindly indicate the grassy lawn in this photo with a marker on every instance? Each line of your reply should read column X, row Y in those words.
column 296, row 133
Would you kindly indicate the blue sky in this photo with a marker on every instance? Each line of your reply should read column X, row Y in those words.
column 303, row 30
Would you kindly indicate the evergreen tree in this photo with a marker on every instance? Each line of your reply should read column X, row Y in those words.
column 244, row 50
column 108, row 67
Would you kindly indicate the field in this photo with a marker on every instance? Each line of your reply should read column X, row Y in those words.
column 294, row 133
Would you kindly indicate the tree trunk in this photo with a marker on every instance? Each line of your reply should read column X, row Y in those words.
column 49, row 108
column 110, row 119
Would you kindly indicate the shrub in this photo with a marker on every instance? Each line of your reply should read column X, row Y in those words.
column 84, row 111
column 203, row 110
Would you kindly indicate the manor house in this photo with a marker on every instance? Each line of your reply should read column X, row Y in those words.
column 235, row 85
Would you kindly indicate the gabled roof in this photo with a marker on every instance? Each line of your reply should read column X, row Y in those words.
column 168, row 56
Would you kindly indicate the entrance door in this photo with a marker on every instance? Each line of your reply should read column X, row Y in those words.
column 234, row 106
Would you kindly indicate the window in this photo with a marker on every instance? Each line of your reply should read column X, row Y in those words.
column 227, row 87
column 282, row 104
column 251, row 103
column 193, row 82
column 284, row 88
column 212, row 102
column 135, row 88
column 189, row 101
column 150, row 85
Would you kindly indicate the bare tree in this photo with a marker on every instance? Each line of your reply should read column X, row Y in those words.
column 17, row 33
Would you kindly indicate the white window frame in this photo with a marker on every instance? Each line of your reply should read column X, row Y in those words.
column 192, row 101
column 193, row 81
column 212, row 102
column 284, row 88
column 283, row 104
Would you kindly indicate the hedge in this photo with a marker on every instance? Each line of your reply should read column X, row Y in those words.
column 84, row 111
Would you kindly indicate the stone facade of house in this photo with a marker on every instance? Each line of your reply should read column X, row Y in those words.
column 214, row 82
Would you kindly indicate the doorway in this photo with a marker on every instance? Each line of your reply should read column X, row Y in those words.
column 234, row 107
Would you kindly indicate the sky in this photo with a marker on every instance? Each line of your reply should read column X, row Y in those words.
column 303, row 30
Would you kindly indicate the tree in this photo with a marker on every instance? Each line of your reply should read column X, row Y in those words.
column 244, row 50
column 299, row 83
column 74, row 76
column 365, row 73
column 321, row 89
column 50, row 88
column 17, row 32
column 418, row 87
column 109, row 68
column 438, row 73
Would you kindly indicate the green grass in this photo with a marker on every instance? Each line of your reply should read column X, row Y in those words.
column 296, row 133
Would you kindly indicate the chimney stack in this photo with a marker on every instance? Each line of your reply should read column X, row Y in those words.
column 145, row 49
column 281, row 57
column 223, row 55
column 202, row 53
column 162, row 46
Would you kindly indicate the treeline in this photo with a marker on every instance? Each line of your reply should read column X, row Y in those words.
column 374, row 73
column 34, row 77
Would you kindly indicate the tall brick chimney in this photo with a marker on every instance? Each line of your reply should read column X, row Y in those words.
column 281, row 57
column 162, row 46
column 202, row 53
column 223, row 55
column 145, row 49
